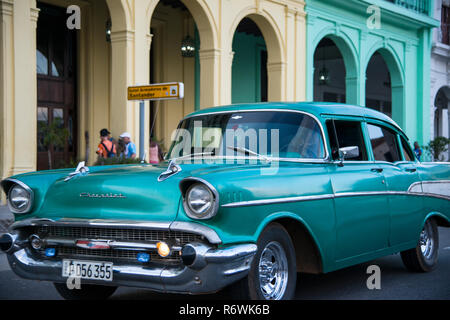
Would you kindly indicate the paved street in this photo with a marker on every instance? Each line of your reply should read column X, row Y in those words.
column 6, row 218
column 350, row 283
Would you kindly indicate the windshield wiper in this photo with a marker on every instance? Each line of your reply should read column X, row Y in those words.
column 248, row 151
column 191, row 155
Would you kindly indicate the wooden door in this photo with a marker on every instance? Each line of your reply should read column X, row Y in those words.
column 56, row 84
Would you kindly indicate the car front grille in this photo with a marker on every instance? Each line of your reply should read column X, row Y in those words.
column 116, row 234
column 119, row 234
column 125, row 255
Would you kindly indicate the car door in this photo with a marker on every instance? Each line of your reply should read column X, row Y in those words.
column 361, row 207
column 393, row 155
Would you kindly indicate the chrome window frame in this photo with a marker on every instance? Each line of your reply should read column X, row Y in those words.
column 325, row 159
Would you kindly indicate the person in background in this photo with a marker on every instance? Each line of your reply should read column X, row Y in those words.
column 130, row 147
column 106, row 148
column 156, row 155
column 417, row 150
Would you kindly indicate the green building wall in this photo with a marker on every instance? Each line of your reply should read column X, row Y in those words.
column 404, row 41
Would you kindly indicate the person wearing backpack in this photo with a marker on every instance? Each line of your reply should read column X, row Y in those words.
column 106, row 148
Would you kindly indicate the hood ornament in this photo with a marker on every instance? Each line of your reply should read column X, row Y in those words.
column 172, row 169
column 80, row 170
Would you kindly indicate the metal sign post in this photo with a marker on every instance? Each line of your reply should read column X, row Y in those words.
column 154, row 92
column 142, row 130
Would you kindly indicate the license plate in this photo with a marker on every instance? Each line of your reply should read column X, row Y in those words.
column 88, row 270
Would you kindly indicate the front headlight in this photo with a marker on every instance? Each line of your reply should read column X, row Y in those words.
column 200, row 202
column 20, row 199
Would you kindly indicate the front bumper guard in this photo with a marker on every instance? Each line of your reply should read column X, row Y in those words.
column 217, row 269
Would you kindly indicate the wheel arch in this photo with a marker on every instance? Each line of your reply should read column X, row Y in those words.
column 441, row 219
column 309, row 256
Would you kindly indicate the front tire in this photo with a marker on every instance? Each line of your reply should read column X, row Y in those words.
column 423, row 258
column 87, row 292
column 273, row 273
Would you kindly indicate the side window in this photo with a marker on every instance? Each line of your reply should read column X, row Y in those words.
column 384, row 144
column 349, row 134
column 409, row 156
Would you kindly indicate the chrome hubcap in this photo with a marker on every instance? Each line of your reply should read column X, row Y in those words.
column 426, row 241
column 273, row 271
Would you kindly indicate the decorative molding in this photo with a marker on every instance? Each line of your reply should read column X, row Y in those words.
column 276, row 66
column 208, row 54
column 258, row 7
column 232, row 56
column 408, row 46
column 300, row 16
column 290, row 11
column 149, row 38
column 34, row 16
column 6, row 7
column 120, row 36
column 363, row 35
column 310, row 19
column 338, row 28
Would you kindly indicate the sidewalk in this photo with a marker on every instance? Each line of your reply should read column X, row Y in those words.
column 6, row 219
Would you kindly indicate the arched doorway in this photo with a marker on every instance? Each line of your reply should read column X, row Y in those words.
column 335, row 71
column 174, row 57
column 379, row 85
column 441, row 114
column 385, row 86
column 257, row 47
column 249, row 69
column 329, row 72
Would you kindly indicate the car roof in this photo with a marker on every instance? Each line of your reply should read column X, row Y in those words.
column 317, row 109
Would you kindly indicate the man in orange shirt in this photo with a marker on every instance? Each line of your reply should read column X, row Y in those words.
column 106, row 148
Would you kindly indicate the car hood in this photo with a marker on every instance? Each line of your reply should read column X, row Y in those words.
column 125, row 192
column 129, row 192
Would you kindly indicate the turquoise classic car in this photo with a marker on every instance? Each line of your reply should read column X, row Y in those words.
column 249, row 196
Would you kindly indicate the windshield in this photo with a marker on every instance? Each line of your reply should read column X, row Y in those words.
column 278, row 134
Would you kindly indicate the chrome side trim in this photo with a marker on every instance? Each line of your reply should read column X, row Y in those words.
column 277, row 200
column 331, row 196
column 183, row 226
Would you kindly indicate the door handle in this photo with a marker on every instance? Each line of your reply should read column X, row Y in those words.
column 379, row 170
column 411, row 170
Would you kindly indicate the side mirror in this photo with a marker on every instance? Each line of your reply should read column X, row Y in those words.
column 348, row 153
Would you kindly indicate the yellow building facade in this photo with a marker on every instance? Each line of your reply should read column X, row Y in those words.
column 122, row 43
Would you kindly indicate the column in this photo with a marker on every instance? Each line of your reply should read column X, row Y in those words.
column 25, row 87
column 6, row 90
column 275, row 71
column 122, row 111
column 291, row 52
column 300, row 76
column 212, row 93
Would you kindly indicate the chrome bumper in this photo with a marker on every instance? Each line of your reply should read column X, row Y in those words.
column 212, row 270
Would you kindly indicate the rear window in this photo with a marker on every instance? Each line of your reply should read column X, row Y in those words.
column 384, row 143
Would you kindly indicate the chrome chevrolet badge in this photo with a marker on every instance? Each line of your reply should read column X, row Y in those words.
column 102, row 195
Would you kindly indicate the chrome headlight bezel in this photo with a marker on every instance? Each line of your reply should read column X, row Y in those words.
column 28, row 190
column 187, row 186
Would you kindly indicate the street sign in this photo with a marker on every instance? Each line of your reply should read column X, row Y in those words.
column 161, row 91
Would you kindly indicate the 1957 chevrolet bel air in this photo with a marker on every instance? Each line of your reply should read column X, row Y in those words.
column 249, row 196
